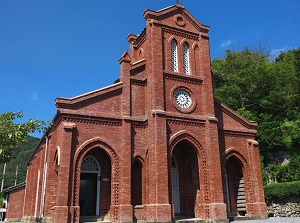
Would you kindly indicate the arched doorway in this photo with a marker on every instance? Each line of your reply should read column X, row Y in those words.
column 185, row 178
column 89, row 197
column 235, row 187
column 95, row 184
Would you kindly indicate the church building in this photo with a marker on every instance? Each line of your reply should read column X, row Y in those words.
column 155, row 146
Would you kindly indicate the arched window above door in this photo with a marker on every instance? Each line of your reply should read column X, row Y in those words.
column 89, row 164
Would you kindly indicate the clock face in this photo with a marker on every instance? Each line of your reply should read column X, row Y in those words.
column 183, row 98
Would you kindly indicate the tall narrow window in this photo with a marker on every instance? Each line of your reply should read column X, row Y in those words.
column 174, row 56
column 186, row 59
column 196, row 61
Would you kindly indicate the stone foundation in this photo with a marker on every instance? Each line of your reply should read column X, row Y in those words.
column 288, row 207
column 284, row 210
column 30, row 219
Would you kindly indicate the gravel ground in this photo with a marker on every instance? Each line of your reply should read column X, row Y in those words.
column 272, row 220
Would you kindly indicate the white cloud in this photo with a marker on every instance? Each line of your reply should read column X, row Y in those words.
column 34, row 95
column 226, row 43
column 276, row 52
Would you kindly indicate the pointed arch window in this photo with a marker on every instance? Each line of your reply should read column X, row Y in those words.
column 89, row 164
column 174, row 57
column 186, row 59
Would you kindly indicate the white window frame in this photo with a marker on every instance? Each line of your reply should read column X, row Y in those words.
column 174, row 55
column 186, row 58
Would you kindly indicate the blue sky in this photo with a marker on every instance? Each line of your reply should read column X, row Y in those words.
column 51, row 49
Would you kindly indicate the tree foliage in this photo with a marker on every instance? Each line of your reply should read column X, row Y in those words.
column 265, row 91
column 12, row 133
column 21, row 154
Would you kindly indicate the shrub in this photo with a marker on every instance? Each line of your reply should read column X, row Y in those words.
column 278, row 173
column 281, row 190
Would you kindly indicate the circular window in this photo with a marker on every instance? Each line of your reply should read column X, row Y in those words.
column 182, row 99
column 179, row 20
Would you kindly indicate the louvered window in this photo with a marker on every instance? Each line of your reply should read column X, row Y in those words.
column 174, row 56
column 186, row 59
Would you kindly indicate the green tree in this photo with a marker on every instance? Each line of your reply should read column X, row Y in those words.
column 241, row 78
column 265, row 91
column 294, row 169
column 12, row 134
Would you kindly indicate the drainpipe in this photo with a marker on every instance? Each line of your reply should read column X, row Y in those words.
column 37, row 194
column 44, row 180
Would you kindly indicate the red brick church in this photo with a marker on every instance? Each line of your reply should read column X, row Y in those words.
column 155, row 146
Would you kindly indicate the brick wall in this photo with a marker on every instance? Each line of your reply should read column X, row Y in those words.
column 15, row 204
column 134, row 127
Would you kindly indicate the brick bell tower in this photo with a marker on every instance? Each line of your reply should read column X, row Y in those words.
column 167, row 77
column 155, row 146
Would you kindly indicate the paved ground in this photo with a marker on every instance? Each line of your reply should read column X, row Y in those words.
column 271, row 220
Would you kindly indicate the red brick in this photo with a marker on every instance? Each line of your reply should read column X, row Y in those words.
column 134, row 127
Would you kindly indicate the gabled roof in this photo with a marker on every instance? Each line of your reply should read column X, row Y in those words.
column 162, row 13
column 9, row 189
column 83, row 97
column 251, row 125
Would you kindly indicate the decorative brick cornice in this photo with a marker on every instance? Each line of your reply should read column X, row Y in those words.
column 138, row 64
column 181, row 32
column 190, row 120
column 139, row 82
column 91, row 120
column 140, row 125
column 140, row 122
column 252, row 143
column 69, row 125
column 185, row 79
column 238, row 134
column 140, row 39
column 185, row 122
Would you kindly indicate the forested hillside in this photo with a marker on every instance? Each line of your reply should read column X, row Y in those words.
column 265, row 90
column 21, row 155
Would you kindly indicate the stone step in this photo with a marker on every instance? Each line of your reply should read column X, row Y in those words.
column 190, row 220
column 90, row 219
column 241, row 205
column 241, row 189
column 241, row 209
column 241, row 197
column 241, row 201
